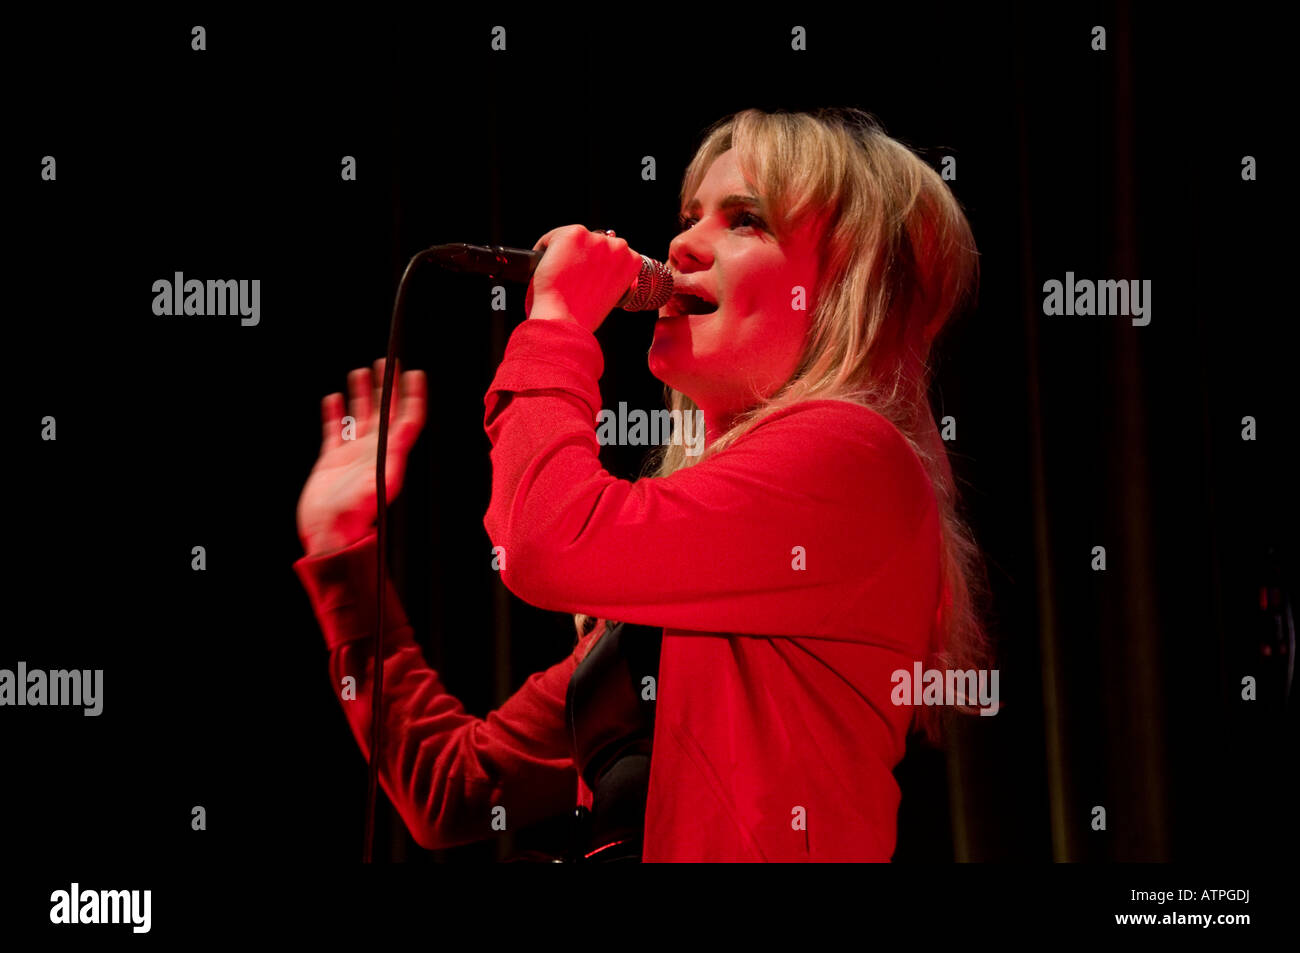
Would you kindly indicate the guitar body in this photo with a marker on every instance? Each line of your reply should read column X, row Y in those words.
column 611, row 723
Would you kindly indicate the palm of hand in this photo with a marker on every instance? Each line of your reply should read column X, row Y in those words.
column 338, row 502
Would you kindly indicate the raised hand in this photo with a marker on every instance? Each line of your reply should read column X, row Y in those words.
column 338, row 505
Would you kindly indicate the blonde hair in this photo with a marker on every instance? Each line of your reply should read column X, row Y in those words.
column 897, row 262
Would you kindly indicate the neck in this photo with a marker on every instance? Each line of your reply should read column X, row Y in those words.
column 716, row 423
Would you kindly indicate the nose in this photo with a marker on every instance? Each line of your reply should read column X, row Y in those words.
column 688, row 252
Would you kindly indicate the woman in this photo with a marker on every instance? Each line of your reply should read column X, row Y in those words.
column 810, row 552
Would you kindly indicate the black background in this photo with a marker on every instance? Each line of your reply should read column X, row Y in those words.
column 183, row 431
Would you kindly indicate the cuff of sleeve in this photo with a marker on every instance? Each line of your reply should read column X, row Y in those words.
column 341, row 586
column 549, row 355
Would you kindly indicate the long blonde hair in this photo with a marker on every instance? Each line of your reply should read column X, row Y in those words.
column 898, row 261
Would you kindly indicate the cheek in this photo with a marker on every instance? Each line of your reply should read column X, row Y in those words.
column 763, row 330
column 784, row 345
column 761, row 306
column 777, row 340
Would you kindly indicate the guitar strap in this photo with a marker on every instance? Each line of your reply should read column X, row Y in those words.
column 610, row 710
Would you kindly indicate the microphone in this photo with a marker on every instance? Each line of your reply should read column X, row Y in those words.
column 650, row 289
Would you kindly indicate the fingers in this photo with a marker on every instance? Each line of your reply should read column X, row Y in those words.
column 397, row 434
column 359, row 391
column 331, row 415
column 574, row 229
column 378, row 396
column 407, row 412
column 546, row 239
column 412, row 410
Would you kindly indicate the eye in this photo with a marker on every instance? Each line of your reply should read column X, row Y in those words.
column 741, row 218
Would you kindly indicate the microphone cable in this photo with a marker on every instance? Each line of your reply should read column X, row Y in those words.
column 381, row 492
column 649, row 290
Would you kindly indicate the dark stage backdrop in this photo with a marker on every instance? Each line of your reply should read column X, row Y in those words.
column 1122, row 688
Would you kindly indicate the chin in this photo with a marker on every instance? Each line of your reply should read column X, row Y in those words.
column 665, row 364
column 672, row 376
column 660, row 367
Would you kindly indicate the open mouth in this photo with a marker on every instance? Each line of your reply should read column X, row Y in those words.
column 681, row 303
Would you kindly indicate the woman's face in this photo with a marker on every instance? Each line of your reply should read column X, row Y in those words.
column 727, row 360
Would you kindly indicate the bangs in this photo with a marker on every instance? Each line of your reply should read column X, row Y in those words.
column 786, row 159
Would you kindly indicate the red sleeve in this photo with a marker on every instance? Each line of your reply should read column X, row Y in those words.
column 713, row 547
column 443, row 769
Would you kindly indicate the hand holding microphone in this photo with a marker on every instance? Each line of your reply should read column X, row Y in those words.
column 582, row 275
column 571, row 272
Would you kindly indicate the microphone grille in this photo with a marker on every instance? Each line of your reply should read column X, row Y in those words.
column 652, row 288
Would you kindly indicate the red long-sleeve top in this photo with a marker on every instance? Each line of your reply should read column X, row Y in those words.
column 792, row 574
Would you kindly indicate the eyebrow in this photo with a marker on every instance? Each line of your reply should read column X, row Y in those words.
column 730, row 201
